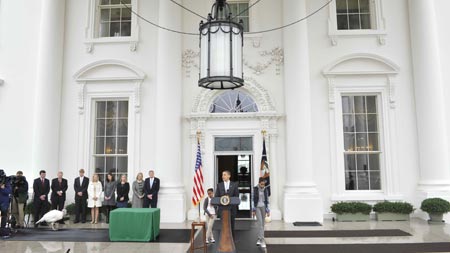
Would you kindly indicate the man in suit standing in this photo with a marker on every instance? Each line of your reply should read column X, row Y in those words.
column 59, row 188
column 80, row 186
column 151, row 189
column 231, row 189
column 41, row 188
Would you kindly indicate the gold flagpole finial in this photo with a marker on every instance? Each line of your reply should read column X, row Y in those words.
column 199, row 134
column 263, row 132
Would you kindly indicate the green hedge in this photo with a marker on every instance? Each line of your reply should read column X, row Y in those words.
column 393, row 207
column 435, row 205
column 351, row 207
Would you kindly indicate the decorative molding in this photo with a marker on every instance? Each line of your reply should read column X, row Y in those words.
column 254, row 39
column 392, row 92
column 260, row 95
column 87, row 73
column 276, row 57
column 331, row 93
column 137, row 97
column 190, row 59
column 384, row 65
column 81, row 97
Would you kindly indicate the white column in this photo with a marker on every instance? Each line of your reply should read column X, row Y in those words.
column 168, row 115
column 274, row 179
column 46, row 122
column 302, row 202
column 430, row 107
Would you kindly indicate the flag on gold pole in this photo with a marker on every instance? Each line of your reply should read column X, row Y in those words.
column 264, row 169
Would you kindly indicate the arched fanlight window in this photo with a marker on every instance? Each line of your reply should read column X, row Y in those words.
column 233, row 102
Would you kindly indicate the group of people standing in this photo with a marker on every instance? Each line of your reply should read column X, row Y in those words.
column 88, row 194
column 114, row 194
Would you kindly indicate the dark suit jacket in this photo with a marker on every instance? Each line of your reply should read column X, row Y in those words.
column 154, row 190
column 81, row 188
column 56, row 188
column 40, row 189
column 233, row 191
column 122, row 191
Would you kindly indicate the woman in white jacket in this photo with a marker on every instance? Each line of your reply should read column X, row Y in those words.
column 95, row 193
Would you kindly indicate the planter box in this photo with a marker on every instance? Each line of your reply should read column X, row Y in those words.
column 436, row 218
column 392, row 217
column 352, row 217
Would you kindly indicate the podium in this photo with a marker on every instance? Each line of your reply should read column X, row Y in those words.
column 226, row 203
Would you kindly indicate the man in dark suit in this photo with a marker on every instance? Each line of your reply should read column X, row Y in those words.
column 59, row 188
column 80, row 186
column 41, row 188
column 231, row 189
column 151, row 189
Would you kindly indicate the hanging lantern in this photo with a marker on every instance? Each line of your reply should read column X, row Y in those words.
column 221, row 43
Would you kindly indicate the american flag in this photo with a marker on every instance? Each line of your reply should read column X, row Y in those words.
column 264, row 170
column 197, row 189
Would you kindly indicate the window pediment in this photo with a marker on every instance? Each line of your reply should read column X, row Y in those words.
column 361, row 64
column 109, row 70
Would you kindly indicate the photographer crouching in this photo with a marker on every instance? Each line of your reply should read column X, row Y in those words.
column 5, row 191
column 20, row 196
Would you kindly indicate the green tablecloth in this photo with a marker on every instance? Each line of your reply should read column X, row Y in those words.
column 134, row 224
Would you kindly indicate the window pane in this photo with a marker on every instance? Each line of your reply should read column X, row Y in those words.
column 350, row 162
column 99, row 164
column 246, row 24
column 342, row 22
column 114, row 29
column 364, row 6
column 347, row 104
column 363, row 180
column 365, row 21
column 362, row 162
column 360, row 105
column 105, row 2
column 373, row 142
column 375, row 182
column 100, row 127
column 99, row 145
column 111, row 164
column 361, row 142
column 353, row 6
column 111, row 109
column 122, row 164
column 122, row 127
column 372, row 122
column 349, row 142
column 115, row 14
column 349, row 123
column 125, row 29
column 126, row 14
column 104, row 15
column 104, row 30
column 111, row 127
column 350, row 180
column 360, row 122
column 110, row 146
column 374, row 161
column 126, row 1
column 353, row 21
column 101, row 108
column 123, row 109
column 122, row 145
column 242, row 7
column 233, row 144
column 115, row 1
column 371, row 104
column 341, row 6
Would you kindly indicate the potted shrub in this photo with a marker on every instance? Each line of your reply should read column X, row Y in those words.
column 351, row 211
column 393, row 211
column 435, row 207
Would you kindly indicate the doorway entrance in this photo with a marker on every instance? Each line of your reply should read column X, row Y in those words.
column 240, row 167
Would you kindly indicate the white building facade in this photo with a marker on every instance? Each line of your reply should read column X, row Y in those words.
column 351, row 100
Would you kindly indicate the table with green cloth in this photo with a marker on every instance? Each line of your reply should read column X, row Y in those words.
column 134, row 224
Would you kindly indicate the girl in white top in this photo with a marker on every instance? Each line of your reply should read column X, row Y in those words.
column 95, row 192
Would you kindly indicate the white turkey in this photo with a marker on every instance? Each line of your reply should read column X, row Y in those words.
column 52, row 217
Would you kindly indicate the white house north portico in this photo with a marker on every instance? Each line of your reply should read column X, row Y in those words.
column 349, row 100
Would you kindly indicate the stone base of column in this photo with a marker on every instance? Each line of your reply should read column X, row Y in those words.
column 172, row 203
column 432, row 190
column 303, row 206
